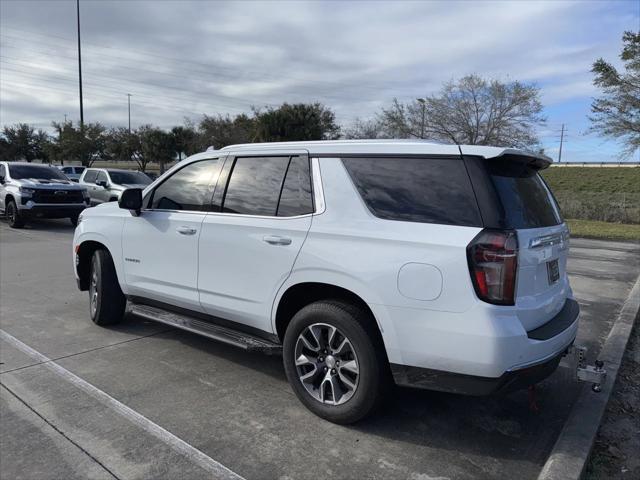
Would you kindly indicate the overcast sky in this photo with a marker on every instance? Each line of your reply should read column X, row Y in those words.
column 188, row 58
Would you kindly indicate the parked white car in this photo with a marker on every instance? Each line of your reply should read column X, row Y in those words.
column 362, row 262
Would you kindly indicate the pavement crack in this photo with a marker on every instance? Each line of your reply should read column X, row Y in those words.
column 86, row 351
column 69, row 439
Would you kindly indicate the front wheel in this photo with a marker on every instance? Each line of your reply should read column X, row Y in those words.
column 106, row 300
column 13, row 215
column 335, row 364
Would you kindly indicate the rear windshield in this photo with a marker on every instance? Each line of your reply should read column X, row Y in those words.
column 426, row 190
column 132, row 178
column 40, row 172
column 525, row 197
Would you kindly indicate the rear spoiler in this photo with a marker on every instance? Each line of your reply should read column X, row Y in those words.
column 534, row 160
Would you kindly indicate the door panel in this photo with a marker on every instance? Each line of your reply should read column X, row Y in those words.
column 243, row 262
column 160, row 256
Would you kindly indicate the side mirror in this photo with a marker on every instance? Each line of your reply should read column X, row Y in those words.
column 2, row 179
column 131, row 199
column 101, row 183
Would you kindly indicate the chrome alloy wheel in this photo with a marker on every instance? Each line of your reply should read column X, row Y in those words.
column 327, row 364
column 93, row 290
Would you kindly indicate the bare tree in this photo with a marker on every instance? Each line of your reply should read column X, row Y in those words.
column 616, row 114
column 361, row 129
column 473, row 111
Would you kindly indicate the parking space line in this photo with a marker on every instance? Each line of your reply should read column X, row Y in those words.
column 208, row 464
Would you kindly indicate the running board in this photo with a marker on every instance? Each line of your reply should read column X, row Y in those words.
column 222, row 334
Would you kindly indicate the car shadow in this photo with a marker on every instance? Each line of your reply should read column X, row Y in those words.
column 507, row 427
column 49, row 225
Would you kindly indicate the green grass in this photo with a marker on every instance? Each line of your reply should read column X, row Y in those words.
column 603, row 230
column 606, row 194
column 594, row 179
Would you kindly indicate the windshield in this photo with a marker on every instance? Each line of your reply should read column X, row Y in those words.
column 41, row 172
column 526, row 199
column 132, row 178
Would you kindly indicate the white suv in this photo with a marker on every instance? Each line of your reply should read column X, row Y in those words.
column 361, row 262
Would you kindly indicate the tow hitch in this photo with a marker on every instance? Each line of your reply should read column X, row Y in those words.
column 595, row 374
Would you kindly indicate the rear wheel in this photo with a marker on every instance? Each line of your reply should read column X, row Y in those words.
column 336, row 367
column 13, row 215
column 106, row 300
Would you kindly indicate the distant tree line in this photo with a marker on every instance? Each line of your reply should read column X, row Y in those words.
column 470, row 110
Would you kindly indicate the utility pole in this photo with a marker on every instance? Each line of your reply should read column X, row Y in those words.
column 129, row 105
column 80, row 67
column 65, row 118
column 561, row 142
column 422, row 102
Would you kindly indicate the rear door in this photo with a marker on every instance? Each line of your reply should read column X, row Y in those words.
column 528, row 207
column 248, row 247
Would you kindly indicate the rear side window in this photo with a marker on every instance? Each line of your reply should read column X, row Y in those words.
column 188, row 188
column 296, row 198
column 426, row 190
column 90, row 176
column 525, row 198
column 79, row 169
column 254, row 186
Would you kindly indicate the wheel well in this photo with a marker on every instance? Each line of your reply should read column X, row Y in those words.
column 7, row 198
column 85, row 253
column 302, row 294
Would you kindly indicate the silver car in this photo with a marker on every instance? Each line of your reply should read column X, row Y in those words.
column 107, row 184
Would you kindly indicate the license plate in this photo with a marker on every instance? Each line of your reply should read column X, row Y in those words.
column 553, row 272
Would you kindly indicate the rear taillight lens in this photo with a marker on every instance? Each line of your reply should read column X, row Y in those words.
column 493, row 263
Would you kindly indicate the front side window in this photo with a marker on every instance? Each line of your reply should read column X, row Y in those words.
column 254, row 186
column 37, row 172
column 102, row 177
column 67, row 170
column 79, row 169
column 90, row 176
column 188, row 188
column 426, row 190
column 2, row 172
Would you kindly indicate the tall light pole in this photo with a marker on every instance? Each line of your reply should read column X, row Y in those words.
column 129, row 106
column 422, row 102
column 80, row 66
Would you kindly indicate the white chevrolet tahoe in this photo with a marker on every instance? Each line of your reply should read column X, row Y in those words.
column 361, row 262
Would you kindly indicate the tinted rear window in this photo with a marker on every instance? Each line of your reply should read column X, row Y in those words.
column 427, row 190
column 525, row 198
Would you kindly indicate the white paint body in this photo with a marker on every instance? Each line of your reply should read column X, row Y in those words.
column 414, row 276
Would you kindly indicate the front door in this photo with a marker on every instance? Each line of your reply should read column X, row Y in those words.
column 248, row 248
column 160, row 246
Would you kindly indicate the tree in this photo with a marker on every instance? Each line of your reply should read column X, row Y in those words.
column 85, row 145
column 23, row 142
column 185, row 139
column 616, row 114
column 292, row 122
column 122, row 144
column 362, row 129
column 156, row 145
column 221, row 130
column 473, row 111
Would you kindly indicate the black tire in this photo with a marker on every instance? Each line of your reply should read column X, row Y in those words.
column 106, row 300
column 13, row 215
column 373, row 378
column 74, row 219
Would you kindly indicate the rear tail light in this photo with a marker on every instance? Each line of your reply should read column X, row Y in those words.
column 493, row 262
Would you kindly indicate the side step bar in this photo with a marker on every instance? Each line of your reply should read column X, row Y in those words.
column 222, row 334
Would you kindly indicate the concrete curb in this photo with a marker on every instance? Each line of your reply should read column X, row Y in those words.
column 569, row 456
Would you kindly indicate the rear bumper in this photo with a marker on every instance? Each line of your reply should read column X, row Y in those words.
column 510, row 381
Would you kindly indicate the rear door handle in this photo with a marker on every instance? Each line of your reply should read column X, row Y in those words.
column 186, row 230
column 276, row 240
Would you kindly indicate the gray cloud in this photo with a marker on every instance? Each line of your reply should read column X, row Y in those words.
column 186, row 58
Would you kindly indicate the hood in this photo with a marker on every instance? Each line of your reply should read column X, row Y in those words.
column 45, row 184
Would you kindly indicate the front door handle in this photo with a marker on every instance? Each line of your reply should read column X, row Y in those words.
column 186, row 230
column 276, row 240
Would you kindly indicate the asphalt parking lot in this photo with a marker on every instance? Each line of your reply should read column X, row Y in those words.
column 236, row 408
